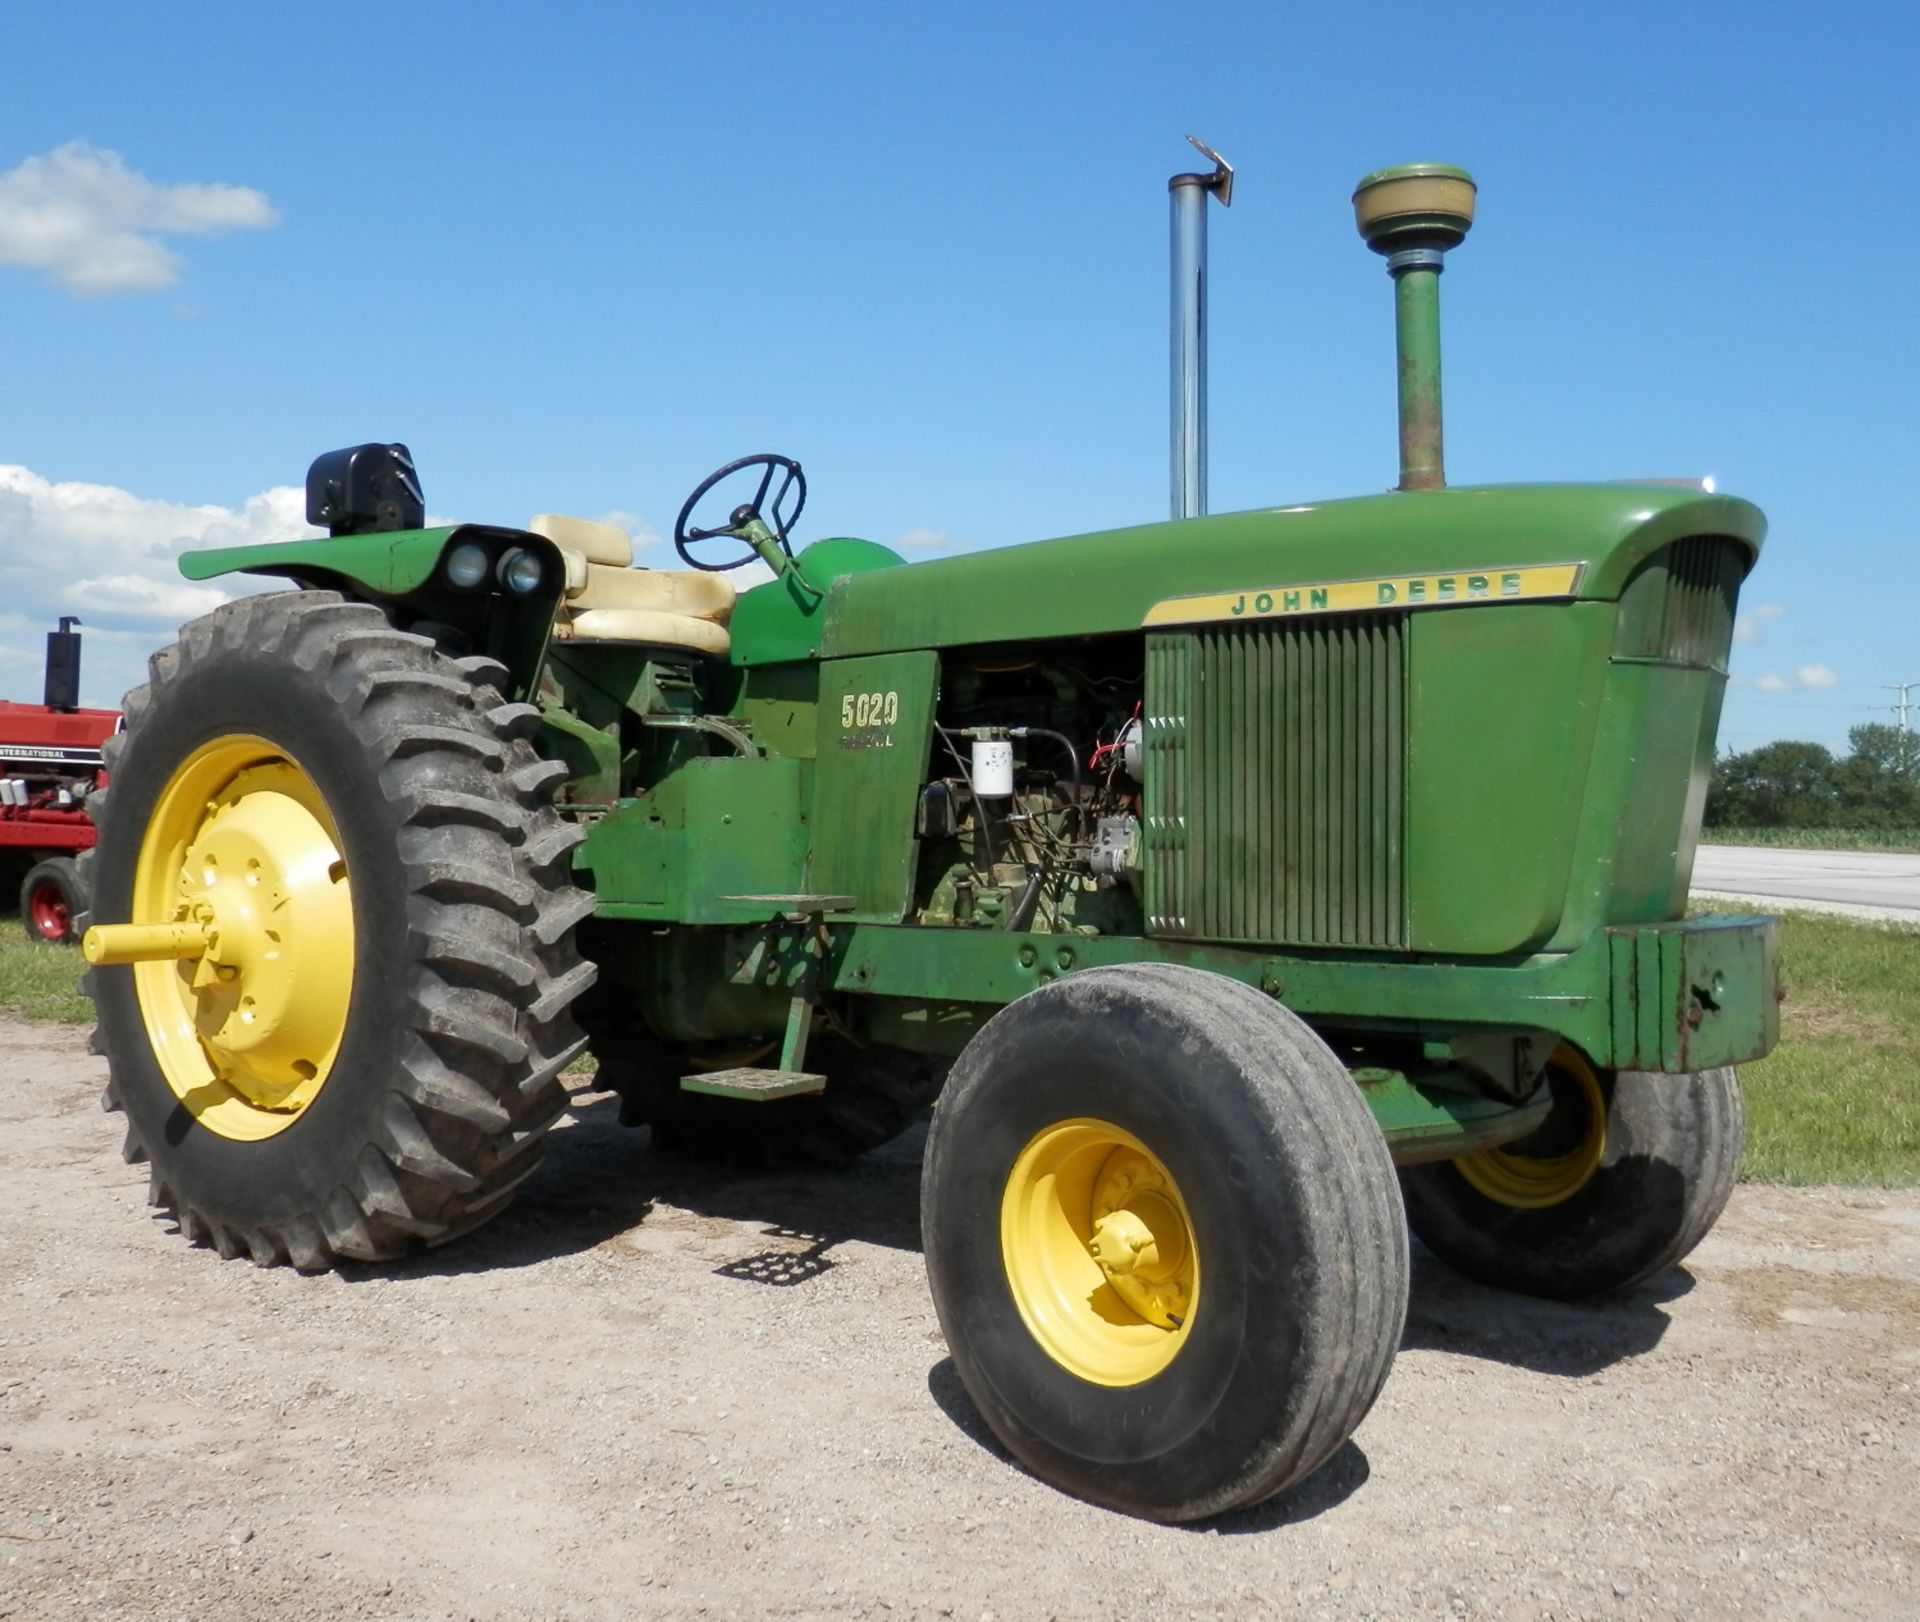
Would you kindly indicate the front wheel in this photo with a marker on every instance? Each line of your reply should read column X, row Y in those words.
column 53, row 899
column 1621, row 1181
column 336, row 961
column 1164, row 1240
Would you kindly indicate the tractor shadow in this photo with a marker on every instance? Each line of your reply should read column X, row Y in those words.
column 1447, row 1312
column 600, row 1180
column 1327, row 1488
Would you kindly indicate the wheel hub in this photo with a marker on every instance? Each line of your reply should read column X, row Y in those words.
column 1566, row 1151
column 260, row 881
column 1099, row 1252
column 51, row 915
column 1139, row 1238
column 242, row 937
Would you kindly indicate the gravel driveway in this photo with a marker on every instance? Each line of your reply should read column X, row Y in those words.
column 648, row 1392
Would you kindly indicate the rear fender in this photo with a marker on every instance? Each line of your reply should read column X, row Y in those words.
column 403, row 572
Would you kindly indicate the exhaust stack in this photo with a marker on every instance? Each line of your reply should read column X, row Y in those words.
column 1188, row 195
column 61, row 690
column 1413, row 214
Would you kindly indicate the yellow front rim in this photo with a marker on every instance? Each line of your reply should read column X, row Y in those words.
column 242, row 855
column 1530, row 1184
column 1100, row 1252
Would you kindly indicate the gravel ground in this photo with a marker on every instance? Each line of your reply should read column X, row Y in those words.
column 648, row 1393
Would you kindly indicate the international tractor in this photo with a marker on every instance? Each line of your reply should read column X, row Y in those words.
column 1248, row 889
column 50, row 766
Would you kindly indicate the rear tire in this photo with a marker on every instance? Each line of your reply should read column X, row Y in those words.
column 53, row 900
column 454, row 1020
column 1671, row 1157
column 1192, row 1095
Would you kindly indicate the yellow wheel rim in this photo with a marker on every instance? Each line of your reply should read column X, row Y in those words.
column 1530, row 1184
column 1099, row 1252
column 241, row 855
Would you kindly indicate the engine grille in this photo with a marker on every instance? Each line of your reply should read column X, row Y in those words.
column 1678, row 607
column 1275, row 782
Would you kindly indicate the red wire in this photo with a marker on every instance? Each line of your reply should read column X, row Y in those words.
column 1101, row 751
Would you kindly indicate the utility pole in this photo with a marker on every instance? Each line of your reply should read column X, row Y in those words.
column 1903, row 712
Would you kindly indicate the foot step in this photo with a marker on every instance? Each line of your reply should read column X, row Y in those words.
column 753, row 1085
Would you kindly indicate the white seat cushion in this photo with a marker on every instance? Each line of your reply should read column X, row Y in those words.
column 596, row 543
column 660, row 591
column 645, row 625
column 607, row 600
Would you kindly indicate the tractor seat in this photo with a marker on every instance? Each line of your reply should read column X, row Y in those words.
column 608, row 600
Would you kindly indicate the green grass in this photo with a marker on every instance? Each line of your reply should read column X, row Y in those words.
column 1894, row 839
column 38, row 981
column 1837, row 1102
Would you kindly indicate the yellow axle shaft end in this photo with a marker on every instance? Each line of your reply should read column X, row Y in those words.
column 106, row 944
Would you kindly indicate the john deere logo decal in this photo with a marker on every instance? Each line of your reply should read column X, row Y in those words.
column 1460, row 587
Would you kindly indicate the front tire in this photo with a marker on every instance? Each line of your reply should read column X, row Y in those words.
column 1622, row 1181
column 53, row 899
column 363, row 1055
column 1164, row 1240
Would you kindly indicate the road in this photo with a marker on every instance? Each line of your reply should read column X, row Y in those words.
column 1869, row 884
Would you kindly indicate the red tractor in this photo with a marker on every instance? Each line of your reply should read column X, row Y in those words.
column 49, row 765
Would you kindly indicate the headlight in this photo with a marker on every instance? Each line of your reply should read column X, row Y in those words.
column 522, row 572
column 467, row 564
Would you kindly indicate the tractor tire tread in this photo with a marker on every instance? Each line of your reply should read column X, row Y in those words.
column 1354, row 1279
column 475, row 1085
column 1672, row 1159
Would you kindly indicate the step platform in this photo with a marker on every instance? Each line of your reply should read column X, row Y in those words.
column 754, row 1085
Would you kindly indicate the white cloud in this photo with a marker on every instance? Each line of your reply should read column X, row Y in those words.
column 643, row 535
column 111, row 557
column 1807, row 679
column 92, row 225
column 926, row 540
column 748, row 575
column 1752, row 624
column 138, row 597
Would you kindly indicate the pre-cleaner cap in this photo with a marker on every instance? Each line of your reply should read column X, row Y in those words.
column 1414, row 205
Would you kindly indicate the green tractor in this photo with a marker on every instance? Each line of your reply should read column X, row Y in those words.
column 1247, row 888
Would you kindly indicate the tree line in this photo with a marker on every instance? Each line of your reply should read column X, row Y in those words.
column 1805, row 785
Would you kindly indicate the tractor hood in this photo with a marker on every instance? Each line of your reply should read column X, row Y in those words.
column 1404, row 549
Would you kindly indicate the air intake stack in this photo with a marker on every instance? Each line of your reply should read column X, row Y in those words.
column 1413, row 214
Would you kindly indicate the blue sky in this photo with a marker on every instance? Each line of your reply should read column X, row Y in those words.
column 579, row 256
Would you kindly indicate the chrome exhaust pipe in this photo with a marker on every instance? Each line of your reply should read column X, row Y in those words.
column 1188, row 194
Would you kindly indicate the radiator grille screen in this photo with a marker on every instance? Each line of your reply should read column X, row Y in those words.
column 1275, row 782
column 1679, row 605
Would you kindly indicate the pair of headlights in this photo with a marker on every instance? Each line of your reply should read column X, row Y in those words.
column 468, row 566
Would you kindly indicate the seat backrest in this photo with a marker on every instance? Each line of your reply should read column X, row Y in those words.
column 606, row 544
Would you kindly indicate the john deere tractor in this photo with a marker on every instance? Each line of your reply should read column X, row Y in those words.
column 1246, row 887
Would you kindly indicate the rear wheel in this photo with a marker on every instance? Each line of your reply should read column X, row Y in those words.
column 337, row 1025
column 1164, row 1240
column 53, row 898
column 1621, row 1181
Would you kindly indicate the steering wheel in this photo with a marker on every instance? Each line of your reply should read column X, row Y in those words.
column 767, row 512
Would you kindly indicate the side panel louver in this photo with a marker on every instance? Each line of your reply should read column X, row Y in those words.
column 1275, row 782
